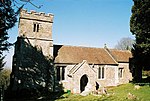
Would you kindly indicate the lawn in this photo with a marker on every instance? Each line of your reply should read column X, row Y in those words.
column 126, row 92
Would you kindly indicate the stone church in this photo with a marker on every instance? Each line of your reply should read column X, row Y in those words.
column 75, row 68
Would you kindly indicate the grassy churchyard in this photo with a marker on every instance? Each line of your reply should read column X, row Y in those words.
column 126, row 92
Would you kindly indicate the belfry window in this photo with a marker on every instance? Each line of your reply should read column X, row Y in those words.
column 60, row 73
column 35, row 27
column 101, row 71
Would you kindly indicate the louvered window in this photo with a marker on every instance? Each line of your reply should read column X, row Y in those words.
column 35, row 27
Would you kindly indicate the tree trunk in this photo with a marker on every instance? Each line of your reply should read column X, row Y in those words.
column 138, row 74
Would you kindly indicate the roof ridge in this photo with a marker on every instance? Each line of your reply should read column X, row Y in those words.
column 121, row 50
column 78, row 46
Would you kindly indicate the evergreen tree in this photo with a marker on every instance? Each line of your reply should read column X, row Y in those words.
column 7, row 21
column 140, row 27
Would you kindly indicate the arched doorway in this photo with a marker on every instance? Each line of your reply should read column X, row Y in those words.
column 83, row 82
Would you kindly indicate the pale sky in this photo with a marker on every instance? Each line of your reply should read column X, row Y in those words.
column 90, row 23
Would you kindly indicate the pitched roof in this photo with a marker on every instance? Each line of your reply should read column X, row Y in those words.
column 74, row 54
column 121, row 55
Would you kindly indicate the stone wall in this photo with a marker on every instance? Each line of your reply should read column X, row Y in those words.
column 72, row 82
column 127, row 75
column 109, row 76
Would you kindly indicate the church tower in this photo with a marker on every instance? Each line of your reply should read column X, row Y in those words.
column 37, row 28
column 32, row 61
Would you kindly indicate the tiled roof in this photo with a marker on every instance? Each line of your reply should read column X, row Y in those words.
column 74, row 54
column 121, row 55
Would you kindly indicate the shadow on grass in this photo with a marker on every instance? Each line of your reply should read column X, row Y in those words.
column 144, row 82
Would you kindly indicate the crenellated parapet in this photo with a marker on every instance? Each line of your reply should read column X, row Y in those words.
column 33, row 15
column 36, row 28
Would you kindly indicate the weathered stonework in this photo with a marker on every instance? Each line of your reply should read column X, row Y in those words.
column 111, row 78
column 32, row 62
column 77, row 69
column 42, row 37
column 115, row 63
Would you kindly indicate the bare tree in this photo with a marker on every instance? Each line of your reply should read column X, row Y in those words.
column 21, row 3
column 125, row 44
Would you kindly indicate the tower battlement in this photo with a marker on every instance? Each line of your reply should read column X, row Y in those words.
column 37, row 28
column 33, row 15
